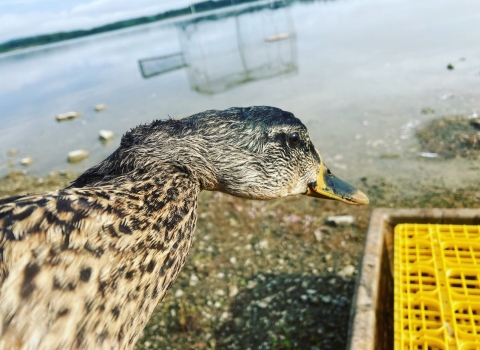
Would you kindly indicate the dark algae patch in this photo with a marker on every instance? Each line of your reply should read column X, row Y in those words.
column 449, row 137
column 257, row 276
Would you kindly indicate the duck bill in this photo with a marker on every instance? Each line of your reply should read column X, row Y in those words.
column 329, row 186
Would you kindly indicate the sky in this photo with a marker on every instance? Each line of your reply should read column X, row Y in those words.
column 22, row 18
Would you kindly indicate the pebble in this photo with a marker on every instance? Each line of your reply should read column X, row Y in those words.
column 220, row 292
column 251, row 284
column 340, row 220
column 428, row 155
column 326, row 298
column 220, row 275
column 347, row 271
column 233, row 260
column 26, row 161
column 318, row 234
column 427, row 110
column 193, row 280
column 217, row 305
column 12, row 152
column 233, row 291
column 105, row 135
column 67, row 116
column 450, row 66
column 178, row 293
column 100, row 107
column 77, row 155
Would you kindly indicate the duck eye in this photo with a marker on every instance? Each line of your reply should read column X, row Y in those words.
column 293, row 139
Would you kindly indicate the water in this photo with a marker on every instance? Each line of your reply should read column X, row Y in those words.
column 356, row 72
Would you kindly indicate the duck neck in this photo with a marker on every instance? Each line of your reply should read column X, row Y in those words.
column 148, row 242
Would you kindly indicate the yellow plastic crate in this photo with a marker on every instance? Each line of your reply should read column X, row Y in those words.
column 436, row 287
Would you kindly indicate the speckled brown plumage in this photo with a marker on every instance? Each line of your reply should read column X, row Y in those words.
column 84, row 267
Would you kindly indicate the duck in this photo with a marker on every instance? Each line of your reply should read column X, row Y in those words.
column 85, row 266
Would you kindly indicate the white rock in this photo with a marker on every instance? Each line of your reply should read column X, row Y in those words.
column 220, row 275
column 233, row 260
column 77, row 155
column 341, row 220
column 428, row 155
column 26, row 161
column 178, row 293
column 311, row 291
column 251, row 284
column 347, row 271
column 262, row 304
column 220, row 292
column 100, row 107
column 67, row 116
column 217, row 305
column 224, row 316
column 318, row 234
column 105, row 135
column 193, row 280
column 262, row 244
column 233, row 291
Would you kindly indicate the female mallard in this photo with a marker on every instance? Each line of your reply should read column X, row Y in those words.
column 84, row 267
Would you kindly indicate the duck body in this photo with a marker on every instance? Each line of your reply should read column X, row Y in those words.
column 84, row 267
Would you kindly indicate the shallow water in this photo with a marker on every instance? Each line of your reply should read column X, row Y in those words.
column 357, row 73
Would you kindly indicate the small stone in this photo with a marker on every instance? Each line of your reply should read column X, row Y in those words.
column 262, row 304
column 224, row 316
column 427, row 110
column 233, row 291
column 26, row 161
column 389, row 156
column 347, row 271
column 100, row 107
column 220, row 292
column 233, row 260
column 326, row 298
column 233, row 222
column 340, row 220
column 105, row 135
column 220, row 275
column 428, row 155
column 193, row 280
column 450, row 66
column 311, row 291
column 77, row 155
column 251, row 284
column 67, row 116
column 217, row 305
column 12, row 152
column 262, row 244
column 304, row 297
column 178, row 293
column 318, row 234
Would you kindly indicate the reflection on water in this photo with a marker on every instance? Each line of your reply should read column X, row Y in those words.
column 356, row 72
column 231, row 48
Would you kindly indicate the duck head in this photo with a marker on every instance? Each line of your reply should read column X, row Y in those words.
column 258, row 153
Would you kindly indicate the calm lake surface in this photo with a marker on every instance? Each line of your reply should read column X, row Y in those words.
column 356, row 72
